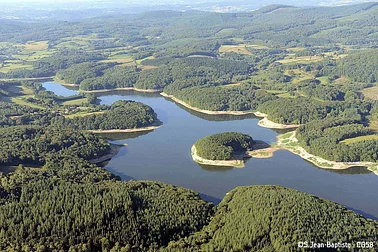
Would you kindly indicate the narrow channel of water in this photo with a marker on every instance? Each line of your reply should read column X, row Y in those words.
column 164, row 155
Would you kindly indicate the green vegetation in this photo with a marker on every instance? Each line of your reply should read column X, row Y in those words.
column 178, row 72
column 37, row 145
column 75, row 74
column 233, row 98
column 294, row 111
column 117, row 77
column 223, row 146
column 329, row 140
column 120, row 115
column 273, row 218
column 62, row 215
column 360, row 138
column 52, row 211
column 359, row 66
column 310, row 66
column 190, row 60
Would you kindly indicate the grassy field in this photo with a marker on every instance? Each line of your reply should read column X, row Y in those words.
column 139, row 61
column 37, row 46
column 340, row 81
column 296, row 49
column 286, row 95
column 26, row 91
column 290, row 59
column 359, row 139
column 324, row 79
column 241, row 48
column 120, row 58
column 75, row 102
column 281, row 93
column 298, row 75
column 12, row 66
column 231, row 85
column 226, row 32
column 371, row 93
column 373, row 125
column 20, row 101
column 33, row 56
column 83, row 113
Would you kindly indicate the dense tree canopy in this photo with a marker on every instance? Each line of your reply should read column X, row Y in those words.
column 324, row 138
column 223, row 146
column 120, row 115
column 34, row 145
column 273, row 218
column 59, row 215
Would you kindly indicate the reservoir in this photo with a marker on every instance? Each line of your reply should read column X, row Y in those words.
column 164, row 155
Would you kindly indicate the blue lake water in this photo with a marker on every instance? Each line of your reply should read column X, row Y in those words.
column 164, row 155
column 59, row 89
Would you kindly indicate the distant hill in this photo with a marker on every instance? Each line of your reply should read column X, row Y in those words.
column 40, row 10
column 275, row 25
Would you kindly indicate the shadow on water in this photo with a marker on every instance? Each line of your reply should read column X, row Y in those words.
column 73, row 88
column 127, row 93
column 352, row 171
column 356, row 170
column 7, row 169
column 214, row 118
column 122, row 176
column 209, row 198
column 260, row 145
column 123, row 136
column 214, row 168
column 366, row 215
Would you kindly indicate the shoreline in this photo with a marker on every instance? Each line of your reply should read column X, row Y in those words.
column 61, row 82
column 264, row 122
column 150, row 128
column 122, row 89
column 238, row 163
column 263, row 153
column 291, row 144
column 210, row 112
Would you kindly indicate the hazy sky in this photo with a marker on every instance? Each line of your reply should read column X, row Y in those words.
column 191, row 2
column 300, row 2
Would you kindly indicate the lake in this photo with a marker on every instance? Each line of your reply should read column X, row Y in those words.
column 164, row 155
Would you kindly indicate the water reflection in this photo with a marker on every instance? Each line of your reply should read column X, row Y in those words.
column 352, row 171
column 127, row 93
column 215, row 118
column 123, row 136
column 7, row 169
column 214, row 168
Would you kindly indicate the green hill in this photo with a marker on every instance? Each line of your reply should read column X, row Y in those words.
column 273, row 218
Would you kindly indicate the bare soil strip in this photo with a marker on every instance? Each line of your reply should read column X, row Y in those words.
column 237, row 162
column 263, row 122
column 291, row 144
column 124, row 130
column 121, row 89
